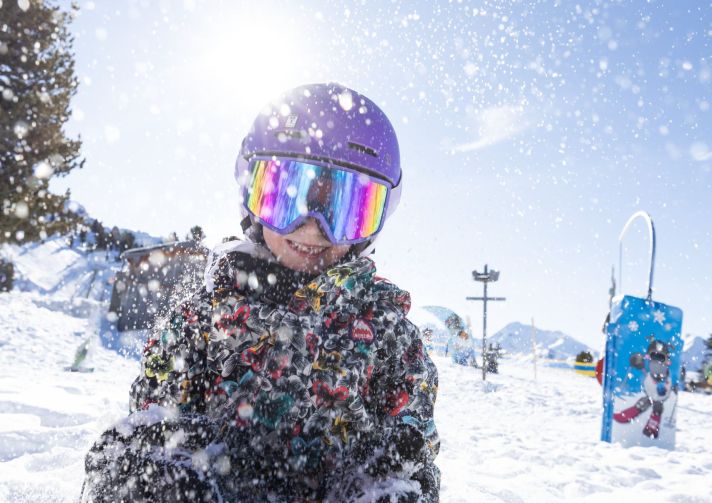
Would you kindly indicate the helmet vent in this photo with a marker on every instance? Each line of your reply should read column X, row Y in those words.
column 363, row 149
column 287, row 134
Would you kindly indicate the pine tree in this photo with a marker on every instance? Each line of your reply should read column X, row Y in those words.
column 37, row 81
column 708, row 349
column 82, row 233
column 196, row 234
column 127, row 241
column 100, row 237
column 7, row 273
column 114, row 238
column 584, row 357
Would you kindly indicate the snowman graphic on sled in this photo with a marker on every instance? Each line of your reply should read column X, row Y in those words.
column 657, row 387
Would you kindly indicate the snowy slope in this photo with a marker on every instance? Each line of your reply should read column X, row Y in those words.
column 516, row 338
column 49, row 417
column 65, row 276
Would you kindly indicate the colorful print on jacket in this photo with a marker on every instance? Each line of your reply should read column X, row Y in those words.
column 330, row 382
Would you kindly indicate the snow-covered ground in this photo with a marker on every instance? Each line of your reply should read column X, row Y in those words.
column 49, row 417
column 515, row 439
column 511, row 440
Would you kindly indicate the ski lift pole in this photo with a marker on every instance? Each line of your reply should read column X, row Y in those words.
column 485, row 277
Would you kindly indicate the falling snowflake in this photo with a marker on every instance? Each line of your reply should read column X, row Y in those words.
column 659, row 317
column 633, row 326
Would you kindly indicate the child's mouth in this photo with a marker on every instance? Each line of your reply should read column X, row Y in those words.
column 306, row 250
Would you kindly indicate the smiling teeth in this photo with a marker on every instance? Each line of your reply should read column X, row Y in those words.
column 312, row 250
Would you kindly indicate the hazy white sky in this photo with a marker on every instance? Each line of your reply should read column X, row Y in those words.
column 530, row 132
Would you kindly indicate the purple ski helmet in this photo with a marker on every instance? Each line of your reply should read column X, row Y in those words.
column 325, row 122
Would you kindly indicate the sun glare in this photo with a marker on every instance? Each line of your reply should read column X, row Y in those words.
column 248, row 57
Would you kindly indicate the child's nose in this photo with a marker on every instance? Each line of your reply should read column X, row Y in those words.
column 312, row 227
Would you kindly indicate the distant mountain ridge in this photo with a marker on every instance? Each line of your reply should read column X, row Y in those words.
column 693, row 352
column 516, row 338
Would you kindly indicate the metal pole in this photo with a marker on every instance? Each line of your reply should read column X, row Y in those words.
column 612, row 289
column 484, row 331
column 485, row 278
column 620, row 266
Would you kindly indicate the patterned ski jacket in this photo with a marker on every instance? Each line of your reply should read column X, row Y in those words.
column 303, row 388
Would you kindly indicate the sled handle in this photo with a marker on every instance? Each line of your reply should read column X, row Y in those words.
column 651, row 232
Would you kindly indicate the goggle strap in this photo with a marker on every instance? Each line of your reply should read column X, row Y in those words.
column 246, row 223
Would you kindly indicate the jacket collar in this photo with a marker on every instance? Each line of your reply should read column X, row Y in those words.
column 251, row 270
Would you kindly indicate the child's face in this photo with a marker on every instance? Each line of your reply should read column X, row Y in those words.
column 306, row 249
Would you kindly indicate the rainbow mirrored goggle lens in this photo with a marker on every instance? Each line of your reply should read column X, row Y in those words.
column 281, row 193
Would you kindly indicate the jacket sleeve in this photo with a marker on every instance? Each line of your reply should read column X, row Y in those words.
column 173, row 364
column 153, row 440
column 403, row 396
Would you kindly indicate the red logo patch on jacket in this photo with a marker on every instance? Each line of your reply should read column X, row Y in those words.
column 362, row 330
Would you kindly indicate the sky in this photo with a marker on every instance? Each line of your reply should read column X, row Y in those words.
column 529, row 133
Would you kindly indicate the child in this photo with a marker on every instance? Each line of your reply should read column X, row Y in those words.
column 462, row 352
column 294, row 374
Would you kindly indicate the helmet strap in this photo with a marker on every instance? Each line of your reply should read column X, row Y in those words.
column 358, row 249
column 252, row 230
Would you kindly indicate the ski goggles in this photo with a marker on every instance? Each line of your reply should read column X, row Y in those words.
column 349, row 205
